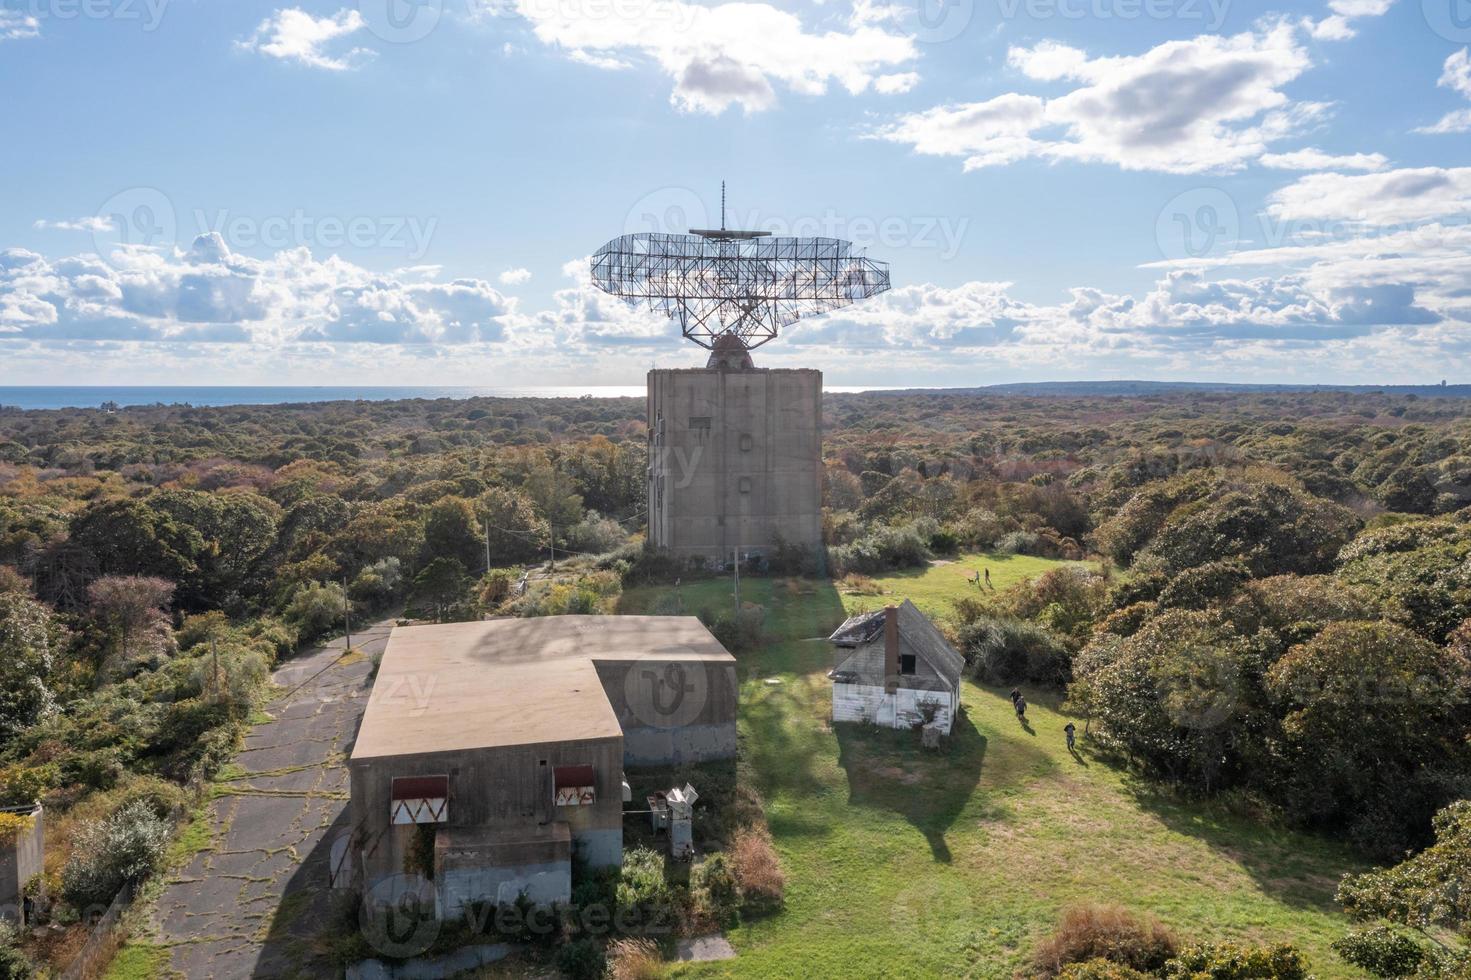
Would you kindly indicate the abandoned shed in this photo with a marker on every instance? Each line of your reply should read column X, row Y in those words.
column 895, row 669
column 503, row 743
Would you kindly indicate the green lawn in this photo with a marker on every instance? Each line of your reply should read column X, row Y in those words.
column 933, row 589
column 901, row 863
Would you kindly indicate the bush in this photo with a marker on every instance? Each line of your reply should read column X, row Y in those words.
column 1011, row 651
column 1091, row 932
column 643, row 895
column 1230, row 961
column 1100, row 969
column 581, row 959
column 634, row 959
column 122, row 849
column 14, row 964
column 714, row 879
column 1383, row 951
column 315, row 608
column 596, row 535
column 756, row 869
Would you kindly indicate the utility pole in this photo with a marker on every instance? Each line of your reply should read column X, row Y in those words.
column 553, row 538
column 346, row 616
column 487, row 546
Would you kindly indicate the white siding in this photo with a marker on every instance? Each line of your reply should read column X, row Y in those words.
column 868, row 703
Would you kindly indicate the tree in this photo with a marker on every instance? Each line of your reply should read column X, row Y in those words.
column 238, row 529
column 441, row 584
column 1408, row 913
column 451, row 531
column 30, row 651
column 1373, row 728
column 128, row 538
column 131, row 606
column 552, row 495
column 516, row 533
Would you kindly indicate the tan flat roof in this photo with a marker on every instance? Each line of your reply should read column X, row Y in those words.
column 512, row 681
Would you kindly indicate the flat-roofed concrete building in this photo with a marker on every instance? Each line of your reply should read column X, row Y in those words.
column 735, row 459
column 509, row 738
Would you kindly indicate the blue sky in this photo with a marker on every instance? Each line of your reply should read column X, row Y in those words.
column 405, row 192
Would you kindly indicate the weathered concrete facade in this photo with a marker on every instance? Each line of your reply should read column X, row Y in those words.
column 735, row 460
column 507, row 740
column 21, row 860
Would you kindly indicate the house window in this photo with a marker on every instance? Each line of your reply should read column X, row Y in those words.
column 747, row 443
column 744, row 484
column 906, row 663
column 575, row 785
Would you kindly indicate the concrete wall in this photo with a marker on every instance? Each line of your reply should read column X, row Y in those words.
column 735, row 460
column 672, row 711
column 20, row 860
column 869, row 703
column 504, row 788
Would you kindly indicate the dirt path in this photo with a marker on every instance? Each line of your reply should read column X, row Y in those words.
column 251, row 903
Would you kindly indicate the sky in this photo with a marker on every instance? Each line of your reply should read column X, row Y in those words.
column 407, row 191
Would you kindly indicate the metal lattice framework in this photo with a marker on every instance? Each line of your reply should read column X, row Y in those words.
column 738, row 284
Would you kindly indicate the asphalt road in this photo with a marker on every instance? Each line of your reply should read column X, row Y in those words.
column 255, row 903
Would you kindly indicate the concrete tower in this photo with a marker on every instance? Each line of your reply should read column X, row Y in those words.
column 735, row 458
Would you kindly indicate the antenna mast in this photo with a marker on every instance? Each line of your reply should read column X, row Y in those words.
column 722, row 205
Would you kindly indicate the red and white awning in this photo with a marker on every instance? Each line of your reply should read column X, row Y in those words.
column 575, row 785
column 419, row 799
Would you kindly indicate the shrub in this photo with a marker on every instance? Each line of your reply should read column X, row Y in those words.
column 1106, row 932
column 581, row 959
column 1100, row 969
column 122, row 849
column 634, row 959
column 737, row 633
column 1230, row 961
column 315, row 608
column 713, row 877
column 643, row 895
column 756, row 869
column 596, row 535
column 1010, row 651
column 1383, row 951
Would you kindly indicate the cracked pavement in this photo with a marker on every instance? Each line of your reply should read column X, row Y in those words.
column 254, row 903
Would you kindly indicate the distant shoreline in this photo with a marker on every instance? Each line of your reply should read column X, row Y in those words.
column 51, row 397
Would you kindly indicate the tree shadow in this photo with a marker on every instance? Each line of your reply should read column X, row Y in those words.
column 1297, row 868
column 888, row 770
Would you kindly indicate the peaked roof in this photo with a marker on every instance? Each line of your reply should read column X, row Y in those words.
column 864, row 634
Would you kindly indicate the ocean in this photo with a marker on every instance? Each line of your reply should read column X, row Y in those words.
column 91, row 397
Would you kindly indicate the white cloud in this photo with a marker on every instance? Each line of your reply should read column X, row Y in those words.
column 91, row 224
column 515, row 277
column 1392, row 197
column 1207, row 104
column 1338, row 26
column 209, row 293
column 293, row 34
column 729, row 54
column 1456, row 76
column 1313, row 158
column 896, row 84
column 16, row 26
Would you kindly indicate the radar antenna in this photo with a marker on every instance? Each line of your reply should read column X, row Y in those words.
column 736, row 288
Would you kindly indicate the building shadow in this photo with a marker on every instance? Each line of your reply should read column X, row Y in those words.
column 310, row 917
column 889, row 770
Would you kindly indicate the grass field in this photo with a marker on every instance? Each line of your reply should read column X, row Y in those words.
column 901, row 863
column 933, row 589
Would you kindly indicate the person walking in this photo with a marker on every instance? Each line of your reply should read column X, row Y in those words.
column 988, row 580
column 1015, row 693
column 1021, row 709
column 1071, row 731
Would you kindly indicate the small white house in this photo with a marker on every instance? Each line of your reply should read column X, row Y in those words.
column 895, row 669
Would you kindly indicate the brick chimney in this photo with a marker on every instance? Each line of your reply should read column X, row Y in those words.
column 891, row 649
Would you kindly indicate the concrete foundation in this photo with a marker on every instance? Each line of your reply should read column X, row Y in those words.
column 735, row 461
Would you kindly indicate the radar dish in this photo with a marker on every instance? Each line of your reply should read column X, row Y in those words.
column 744, row 285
